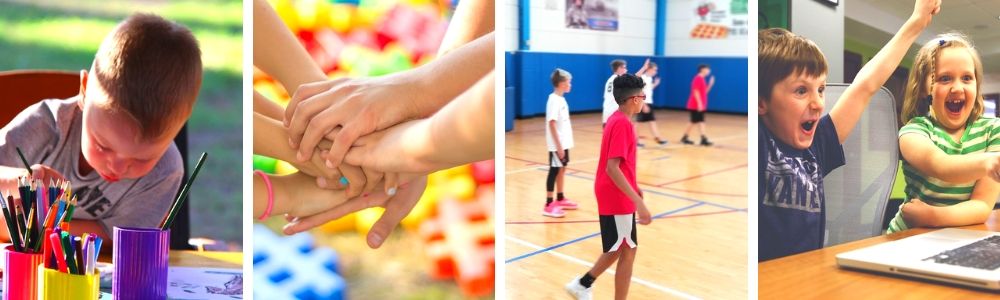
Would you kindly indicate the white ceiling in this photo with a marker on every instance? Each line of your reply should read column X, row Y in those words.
column 871, row 21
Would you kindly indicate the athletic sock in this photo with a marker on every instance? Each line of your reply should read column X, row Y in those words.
column 559, row 196
column 548, row 200
column 587, row 280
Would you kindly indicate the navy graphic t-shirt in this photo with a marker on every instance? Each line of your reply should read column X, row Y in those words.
column 790, row 190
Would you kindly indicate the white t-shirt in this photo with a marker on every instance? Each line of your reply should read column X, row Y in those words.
column 648, row 89
column 610, row 106
column 557, row 109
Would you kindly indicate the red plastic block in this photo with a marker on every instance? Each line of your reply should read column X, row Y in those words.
column 460, row 244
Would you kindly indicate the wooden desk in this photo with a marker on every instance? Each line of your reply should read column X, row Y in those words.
column 815, row 275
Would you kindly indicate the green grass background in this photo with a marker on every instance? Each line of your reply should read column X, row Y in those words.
column 64, row 35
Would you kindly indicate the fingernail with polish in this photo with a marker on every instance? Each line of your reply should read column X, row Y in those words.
column 391, row 192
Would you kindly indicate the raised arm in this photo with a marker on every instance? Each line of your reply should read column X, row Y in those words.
column 855, row 99
column 278, row 53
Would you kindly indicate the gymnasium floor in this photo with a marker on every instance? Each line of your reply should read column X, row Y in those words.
column 696, row 245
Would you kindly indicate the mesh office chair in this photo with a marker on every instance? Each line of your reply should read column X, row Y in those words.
column 23, row 88
column 856, row 193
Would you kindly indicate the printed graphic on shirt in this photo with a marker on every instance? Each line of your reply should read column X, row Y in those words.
column 792, row 182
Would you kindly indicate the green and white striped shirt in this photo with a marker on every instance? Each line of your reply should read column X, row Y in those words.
column 983, row 135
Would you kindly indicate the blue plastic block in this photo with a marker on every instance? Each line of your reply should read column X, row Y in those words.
column 293, row 267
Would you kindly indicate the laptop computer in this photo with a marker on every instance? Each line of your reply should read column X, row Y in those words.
column 958, row 256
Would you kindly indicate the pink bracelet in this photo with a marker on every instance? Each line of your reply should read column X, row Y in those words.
column 270, row 194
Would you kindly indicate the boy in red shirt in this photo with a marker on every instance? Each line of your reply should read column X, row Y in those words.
column 698, row 103
column 617, row 191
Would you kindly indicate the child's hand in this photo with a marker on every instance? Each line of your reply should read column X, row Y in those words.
column 645, row 108
column 305, row 198
column 924, row 10
column 326, row 178
column 915, row 213
column 644, row 217
column 45, row 173
column 358, row 106
column 396, row 208
column 389, row 150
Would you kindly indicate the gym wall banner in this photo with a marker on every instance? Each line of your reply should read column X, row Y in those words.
column 592, row 14
column 719, row 19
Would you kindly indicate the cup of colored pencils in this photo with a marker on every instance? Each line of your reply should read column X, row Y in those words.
column 141, row 255
column 75, row 275
column 30, row 220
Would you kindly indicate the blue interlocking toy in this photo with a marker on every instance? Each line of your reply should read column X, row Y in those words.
column 293, row 268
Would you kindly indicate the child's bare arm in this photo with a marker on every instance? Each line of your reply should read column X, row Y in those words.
column 294, row 194
column 921, row 153
column 974, row 211
column 555, row 137
column 615, row 173
column 471, row 20
column 278, row 53
column 642, row 70
column 461, row 132
column 267, row 107
column 268, row 134
column 363, row 106
column 873, row 75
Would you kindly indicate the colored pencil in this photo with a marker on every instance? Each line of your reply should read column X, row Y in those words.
column 169, row 218
column 24, row 160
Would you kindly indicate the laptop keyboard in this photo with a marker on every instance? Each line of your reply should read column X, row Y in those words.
column 982, row 254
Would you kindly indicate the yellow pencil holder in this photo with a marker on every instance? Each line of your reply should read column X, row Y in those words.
column 55, row 285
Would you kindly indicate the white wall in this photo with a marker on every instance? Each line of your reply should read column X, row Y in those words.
column 824, row 25
column 991, row 84
column 681, row 19
column 635, row 35
column 509, row 15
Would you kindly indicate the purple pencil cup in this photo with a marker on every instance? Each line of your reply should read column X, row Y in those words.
column 140, row 258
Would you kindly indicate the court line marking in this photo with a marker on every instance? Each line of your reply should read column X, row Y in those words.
column 560, row 245
column 673, row 196
column 594, row 221
column 584, row 263
column 704, row 174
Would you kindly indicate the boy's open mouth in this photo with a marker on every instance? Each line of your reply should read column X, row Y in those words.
column 808, row 126
column 954, row 105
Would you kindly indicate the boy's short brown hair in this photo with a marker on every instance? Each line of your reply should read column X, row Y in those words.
column 780, row 54
column 151, row 70
column 615, row 64
column 560, row 75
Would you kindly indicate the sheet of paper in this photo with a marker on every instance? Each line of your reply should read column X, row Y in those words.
column 204, row 283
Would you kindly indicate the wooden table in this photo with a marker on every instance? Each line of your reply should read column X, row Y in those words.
column 815, row 275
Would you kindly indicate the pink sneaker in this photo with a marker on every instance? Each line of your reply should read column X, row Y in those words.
column 553, row 210
column 565, row 204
